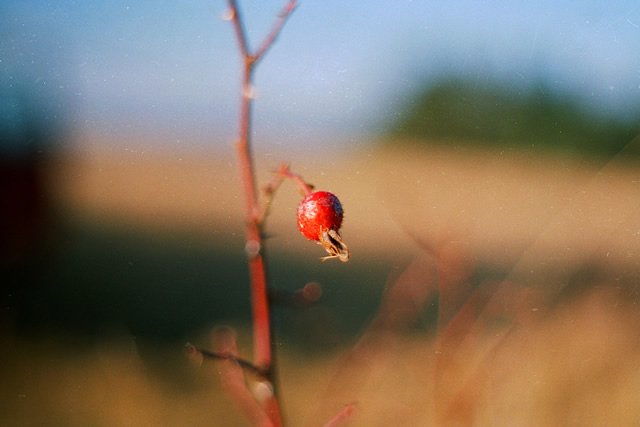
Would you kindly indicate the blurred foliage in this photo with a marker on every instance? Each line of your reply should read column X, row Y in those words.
column 163, row 288
column 499, row 115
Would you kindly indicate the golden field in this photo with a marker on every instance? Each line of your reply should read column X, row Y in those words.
column 529, row 261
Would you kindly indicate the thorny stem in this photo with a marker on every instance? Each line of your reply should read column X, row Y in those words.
column 284, row 14
column 253, row 227
column 284, row 173
column 245, row 364
column 270, row 189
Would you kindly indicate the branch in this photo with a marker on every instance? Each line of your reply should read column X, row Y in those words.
column 342, row 416
column 234, row 17
column 245, row 364
column 233, row 381
column 262, row 327
column 272, row 186
column 277, row 27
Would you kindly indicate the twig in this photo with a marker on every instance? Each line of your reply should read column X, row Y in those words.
column 272, row 186
column 286, row 11
column 253, row 229
column 233, row 381
column 245, row 364
column 342, row 416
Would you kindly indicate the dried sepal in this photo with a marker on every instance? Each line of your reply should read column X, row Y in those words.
column 333, row 244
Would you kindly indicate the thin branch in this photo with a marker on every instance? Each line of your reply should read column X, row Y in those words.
column 245, row 364
column 277, row 27
column 304, row 187
column 239, row 28
column 272, row 186
column 342, row 416
column 262, row 326
column 233, row 382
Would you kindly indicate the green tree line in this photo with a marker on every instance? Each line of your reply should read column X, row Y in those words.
column 496, row 114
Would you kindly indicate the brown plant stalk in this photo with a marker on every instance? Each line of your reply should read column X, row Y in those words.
column 260, row 406
column 262, row 329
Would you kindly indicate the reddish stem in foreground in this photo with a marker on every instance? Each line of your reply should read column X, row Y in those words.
column 270, row 188
column 253, row 228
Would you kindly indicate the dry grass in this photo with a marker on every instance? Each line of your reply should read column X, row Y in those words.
column 510, row 207
column 576, row 364
column 531, row 348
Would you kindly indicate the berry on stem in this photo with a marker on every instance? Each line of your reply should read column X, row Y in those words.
column 320, row 216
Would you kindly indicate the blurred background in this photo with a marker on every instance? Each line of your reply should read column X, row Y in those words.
column 506, row 130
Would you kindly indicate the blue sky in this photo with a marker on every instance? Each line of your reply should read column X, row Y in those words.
column 339, row 70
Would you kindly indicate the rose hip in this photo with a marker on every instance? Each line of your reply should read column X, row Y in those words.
column 320, row 216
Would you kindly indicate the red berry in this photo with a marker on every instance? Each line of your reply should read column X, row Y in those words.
column 319, row 218
column 318, row 212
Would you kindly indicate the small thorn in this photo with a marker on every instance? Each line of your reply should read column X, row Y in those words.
column 252, row 248
column 193, row 354
column 262, row 391
column 250, row 92
column 228, row 14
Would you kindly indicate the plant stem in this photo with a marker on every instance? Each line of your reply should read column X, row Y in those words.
column 262, row 333
column 253, row 233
